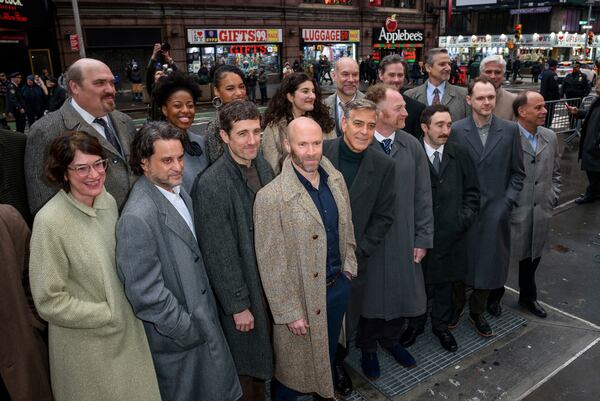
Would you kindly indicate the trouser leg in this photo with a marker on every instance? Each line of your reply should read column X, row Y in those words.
column 20, row 121
column 527, row 287
column 283, row 393
column 459, row 297
column 373, row 331
column 253, row 389
column 477, row 301
column 337, row 304
column 495, row 295
column 593, row 188
column 440, row 295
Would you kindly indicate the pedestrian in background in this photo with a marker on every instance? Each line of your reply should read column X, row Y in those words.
column 549, row 89
column 15, row 103
column 56, row 94
column 34, row 94
column 263, row 80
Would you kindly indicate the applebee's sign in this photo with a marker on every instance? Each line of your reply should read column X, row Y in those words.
column 390, row 33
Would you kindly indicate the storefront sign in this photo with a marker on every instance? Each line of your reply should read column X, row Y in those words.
column 206, row 36
column 536, row 10
column 74, row 40
column 13, row 11
column 14, row 38
column 252, row 49
column 400, row 35
column 331, row 35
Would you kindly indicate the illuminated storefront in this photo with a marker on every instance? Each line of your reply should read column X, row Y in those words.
column 333, row 43
column 245, row 48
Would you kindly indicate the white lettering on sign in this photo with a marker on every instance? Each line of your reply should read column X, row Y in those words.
column 400, row 36
column 212, row 35
column 331, row 35
column 12, row 2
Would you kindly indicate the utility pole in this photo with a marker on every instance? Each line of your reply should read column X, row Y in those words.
column 78, row 28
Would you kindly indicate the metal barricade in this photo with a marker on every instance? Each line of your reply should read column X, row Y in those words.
column 558, row 118
column 585, row 103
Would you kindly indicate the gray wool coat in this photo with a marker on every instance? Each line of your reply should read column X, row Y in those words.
column 330, row 102
column 530, row 221
column 162, row 269
column 118, row 176
column 500, row 173
column 455, row 98
column 223, row 203
column 396, row 287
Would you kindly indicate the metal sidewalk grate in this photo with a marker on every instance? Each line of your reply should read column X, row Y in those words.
column 431, row 357
column 355, row 396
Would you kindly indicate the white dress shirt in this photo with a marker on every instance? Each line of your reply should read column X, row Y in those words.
column 430, row 88
column 430, row 151
column 88, row 118
column 340, row 108
column 179, row 205
column 380, row 137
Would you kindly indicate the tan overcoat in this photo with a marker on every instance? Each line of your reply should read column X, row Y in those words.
column 291, row 250
column 504, row 102
column 272, row 143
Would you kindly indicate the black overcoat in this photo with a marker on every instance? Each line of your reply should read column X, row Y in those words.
column 372, row 198
column 223, row 203
column 455, row 193
column 589, row 143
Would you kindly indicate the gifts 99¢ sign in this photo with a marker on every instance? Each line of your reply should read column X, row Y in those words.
column 245, row 35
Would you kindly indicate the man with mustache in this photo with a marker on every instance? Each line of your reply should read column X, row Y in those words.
column 437, row 89
column 91, row 109
column 305, row 251
column 495, row 146
column 346, row 78
column 223, row 197
column 455, row 194
column 162, row 269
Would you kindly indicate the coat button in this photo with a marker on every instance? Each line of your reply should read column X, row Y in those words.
column 197, row 259
column 251, row 228
column 316, row 274
column 115, row 161
column 203, row 291
column 536, row 183
column 315, row 236
column 535, row 204
column 318, row 311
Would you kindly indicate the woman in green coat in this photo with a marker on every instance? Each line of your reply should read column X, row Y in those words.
column 98, row 348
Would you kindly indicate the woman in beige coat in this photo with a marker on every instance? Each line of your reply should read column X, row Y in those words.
column 298, row 95
column 98, row 349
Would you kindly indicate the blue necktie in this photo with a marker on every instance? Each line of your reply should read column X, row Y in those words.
column 110, row 135
column 436, row 161
column 387, row 145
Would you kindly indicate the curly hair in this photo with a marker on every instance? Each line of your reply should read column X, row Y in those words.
column 280, row 107
column 62, row 152
column 142, row 146
column 218, row 73
column 175, row 81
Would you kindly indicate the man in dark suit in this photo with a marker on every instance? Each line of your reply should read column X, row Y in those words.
column 12, row 175
column 495, row 146
column 369, row 176
column 162, row 269
column 223, row 197
column 91, row 109
column 455, row 194
column 391, row 73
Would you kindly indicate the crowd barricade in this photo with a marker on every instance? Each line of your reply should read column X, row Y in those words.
column 584, row 104
column 558, row 118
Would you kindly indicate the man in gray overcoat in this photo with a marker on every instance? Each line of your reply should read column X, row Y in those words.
column 494, row 67
column 370, row 178
column 437, row 89
column 162, row 269
column 495, row 146
column 90, row 109
column 395, row 289
column 346, row 79
column 530, row 220
column 223, row 198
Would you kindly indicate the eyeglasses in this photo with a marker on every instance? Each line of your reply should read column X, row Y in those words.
column 83, row 170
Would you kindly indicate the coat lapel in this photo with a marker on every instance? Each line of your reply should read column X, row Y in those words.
column 526, row 145
column 365, row 171
column 541, row 143
column 172, row 218
column 448, row 153
column 448, row 95
column 295, row 190
column 494, row 136
column 472, row 136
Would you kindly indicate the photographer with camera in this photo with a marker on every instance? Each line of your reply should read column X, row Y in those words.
column 160, row 60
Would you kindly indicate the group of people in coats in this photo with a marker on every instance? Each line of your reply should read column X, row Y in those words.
column 253, row 276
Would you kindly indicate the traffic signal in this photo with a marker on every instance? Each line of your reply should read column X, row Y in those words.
column 590, row 38
column 518, row 29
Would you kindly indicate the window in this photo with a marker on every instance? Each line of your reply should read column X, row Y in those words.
column 330, row 2
column 399, row 3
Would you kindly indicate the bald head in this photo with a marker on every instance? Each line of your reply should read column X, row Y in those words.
column 304, row 143
column 345, row 76
column 91, row 85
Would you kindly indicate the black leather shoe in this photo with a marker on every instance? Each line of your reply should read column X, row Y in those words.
column 495, row 309
column 410, row 336
column 534, row 307
column 481, row 325
column 341, row 380
column 585, row 199
column 456, row 314
column 446, row 340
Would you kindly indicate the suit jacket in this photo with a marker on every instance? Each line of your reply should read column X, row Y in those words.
column 223, row 203
column 504, row 102
column 118, row 176
column 23, row 352
column 412, row 124
column 455, row 194
column 530, row 221
column 500, row 173
column 455, row 98
column 291, row 250
column 12, row 173
column 162, row 269
column 330, row 101
column 372, row 199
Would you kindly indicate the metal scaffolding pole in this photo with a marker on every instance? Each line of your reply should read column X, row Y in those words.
column 78, row 28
